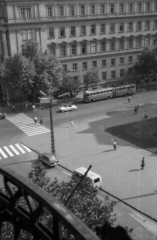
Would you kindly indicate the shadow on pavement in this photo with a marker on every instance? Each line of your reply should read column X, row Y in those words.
column 108, row 150
column 141, row 196
column 134, row 170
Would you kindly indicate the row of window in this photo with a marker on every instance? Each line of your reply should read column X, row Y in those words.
column 28, row 35
column 102, row 29
column 103, row 46
column 110, row 75
column 102, row 9
column 93, row 9
column 113, row 74
column 103, row 63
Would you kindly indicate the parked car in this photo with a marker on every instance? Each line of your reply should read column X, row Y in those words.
column 67, row 108
column 2, row 115
column 48, row 159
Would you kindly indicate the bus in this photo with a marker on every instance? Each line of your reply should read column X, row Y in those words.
column 109, row 92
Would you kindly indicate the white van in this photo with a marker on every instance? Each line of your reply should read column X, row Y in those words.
column 96, row 178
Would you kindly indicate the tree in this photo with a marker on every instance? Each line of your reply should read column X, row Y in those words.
column 84, row 203
column 17, row 74
column 146, row 67
column 30, row 49
column 91, row 78
column 49, row 71
column 70, row 85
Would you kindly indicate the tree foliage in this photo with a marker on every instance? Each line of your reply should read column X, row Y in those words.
column 69, row 84
column 49, row 71
column 84, row 203
column 28, row 73
column 17, row 74
column 91, row 78
column 30, row 50
column 146, row 66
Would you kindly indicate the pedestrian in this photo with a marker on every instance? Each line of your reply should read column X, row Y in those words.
column 26, row 106
column 114, row 144
column 33, row 107
column 142, row 163
column 145, row 115
column 129, row 99
column 41, row 121
column 135, row 110
column 138, row 106
column 35, row 120
column 13, row 109
column 71, row 123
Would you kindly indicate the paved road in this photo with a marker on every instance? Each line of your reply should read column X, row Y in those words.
column 87, row 143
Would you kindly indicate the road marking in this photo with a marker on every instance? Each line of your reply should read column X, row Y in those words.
column 20, row 148
column 27, row 125
column 14, row 150
column 8, row 151
column 29, row 150
column 3, row 153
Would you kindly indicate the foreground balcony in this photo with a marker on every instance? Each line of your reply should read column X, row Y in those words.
column 29, row 219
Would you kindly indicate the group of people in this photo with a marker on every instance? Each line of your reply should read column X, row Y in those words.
column 40, row 121
column 136, row 110
column 26, row 107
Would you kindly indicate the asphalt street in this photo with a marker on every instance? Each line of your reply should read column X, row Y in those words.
column 87, row 143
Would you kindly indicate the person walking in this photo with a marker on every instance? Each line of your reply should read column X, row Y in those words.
column 13, row 109
column 35, row 120
column 71, row 123
column 142, row 163
column 145, row 115
column 114, row 144
column 33, row 107
column 26, row 106
column 135, row 110
column 129, row 99
column 138, row 106
column 41, row 121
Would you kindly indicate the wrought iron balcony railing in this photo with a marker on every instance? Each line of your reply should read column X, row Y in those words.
column 25, row 205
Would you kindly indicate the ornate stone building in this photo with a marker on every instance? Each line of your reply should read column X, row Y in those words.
column 106, row 34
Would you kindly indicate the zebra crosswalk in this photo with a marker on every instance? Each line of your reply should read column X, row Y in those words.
column 13, row 150
column 27, row 125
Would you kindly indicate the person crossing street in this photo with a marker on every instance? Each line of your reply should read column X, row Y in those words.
column 35, row 120
column 142, row 163
column 41, row 121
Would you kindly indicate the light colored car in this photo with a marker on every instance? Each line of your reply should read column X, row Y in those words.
column 68, row 108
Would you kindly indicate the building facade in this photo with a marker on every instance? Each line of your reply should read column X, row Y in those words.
column 105, row 34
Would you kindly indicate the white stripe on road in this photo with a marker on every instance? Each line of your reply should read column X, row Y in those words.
column 14, row 150
column 27, row 148
column 8, row 151
column 3, row 153
column 27, row 125
column 20, row 148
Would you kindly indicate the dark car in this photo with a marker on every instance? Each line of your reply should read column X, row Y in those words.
column 2, row 115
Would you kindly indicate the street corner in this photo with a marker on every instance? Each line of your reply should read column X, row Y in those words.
column 40, row 142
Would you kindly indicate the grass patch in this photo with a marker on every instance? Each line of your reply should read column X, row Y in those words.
column 142, row 133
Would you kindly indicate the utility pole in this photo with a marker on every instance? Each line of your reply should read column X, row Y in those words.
column 51, row 125
column 77, row 185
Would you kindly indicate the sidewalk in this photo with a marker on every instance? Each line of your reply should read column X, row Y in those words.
column 120, row 170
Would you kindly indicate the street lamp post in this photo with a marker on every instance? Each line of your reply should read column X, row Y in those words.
column 52, row 131
column 51, row 126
